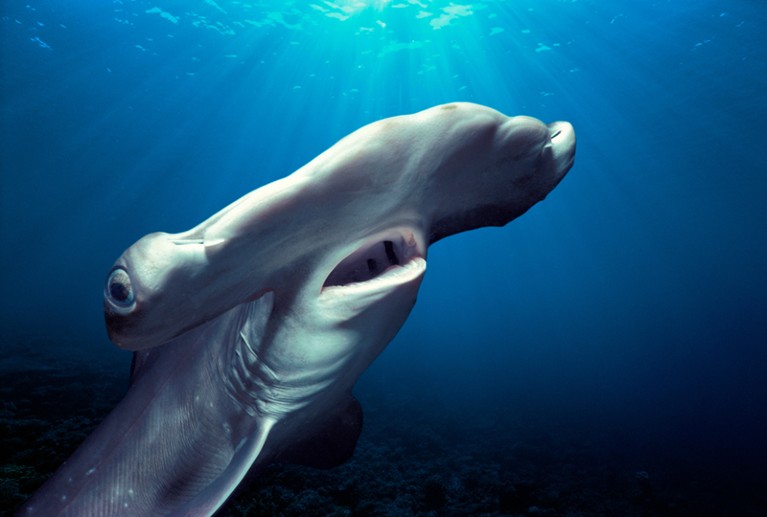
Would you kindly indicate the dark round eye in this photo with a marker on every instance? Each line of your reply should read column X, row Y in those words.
column 119, row 290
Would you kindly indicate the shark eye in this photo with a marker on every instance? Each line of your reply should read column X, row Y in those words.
column 119, row 290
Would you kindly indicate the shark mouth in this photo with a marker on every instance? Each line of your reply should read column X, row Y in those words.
column 381, row 256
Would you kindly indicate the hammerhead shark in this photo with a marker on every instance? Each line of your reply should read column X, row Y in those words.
column 250, row 330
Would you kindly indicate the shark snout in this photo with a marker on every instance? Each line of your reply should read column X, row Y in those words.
column 562, row 136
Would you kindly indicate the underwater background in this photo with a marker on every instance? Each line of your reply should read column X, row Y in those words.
column 605, row 354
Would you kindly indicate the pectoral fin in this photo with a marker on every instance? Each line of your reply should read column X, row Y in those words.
column 332, row 442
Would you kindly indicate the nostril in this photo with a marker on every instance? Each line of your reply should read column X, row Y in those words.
column 562, row 131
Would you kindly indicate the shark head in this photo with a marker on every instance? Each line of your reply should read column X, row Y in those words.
column 388, row 190
column 250, row 329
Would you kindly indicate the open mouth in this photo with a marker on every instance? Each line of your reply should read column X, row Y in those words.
column 379, row 256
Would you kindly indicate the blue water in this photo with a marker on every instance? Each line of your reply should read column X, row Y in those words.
column 631, row 302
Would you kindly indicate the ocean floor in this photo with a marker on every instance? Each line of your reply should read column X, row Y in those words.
column 408, row 461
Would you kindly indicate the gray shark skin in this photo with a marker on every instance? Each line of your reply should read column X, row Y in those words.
column 251, row 329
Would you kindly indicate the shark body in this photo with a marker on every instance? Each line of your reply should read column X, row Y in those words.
column 250, row 330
